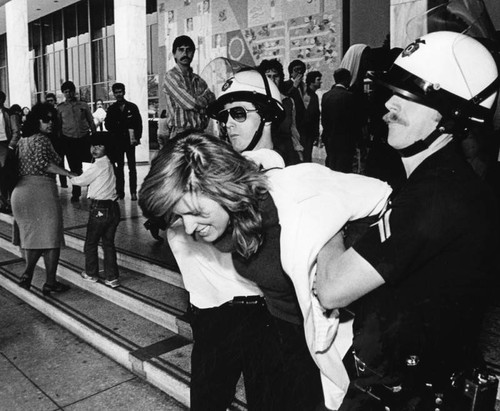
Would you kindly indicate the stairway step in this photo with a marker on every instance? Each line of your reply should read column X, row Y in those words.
column 158, row 355
column 155, row 300
column 148, row 257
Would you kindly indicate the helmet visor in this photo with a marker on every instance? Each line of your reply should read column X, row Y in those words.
column 461, row 16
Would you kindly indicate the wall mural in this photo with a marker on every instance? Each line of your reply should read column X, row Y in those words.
column 249, row 31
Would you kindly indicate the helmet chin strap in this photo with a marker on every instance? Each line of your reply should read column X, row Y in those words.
column 424, row 144
column 256, row 137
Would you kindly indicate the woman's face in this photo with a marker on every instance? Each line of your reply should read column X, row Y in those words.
column 46, row 125
column 202, row 217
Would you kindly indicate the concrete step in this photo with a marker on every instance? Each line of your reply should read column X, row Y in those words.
column 130, row 324
column 157, row 301
column 164, row 270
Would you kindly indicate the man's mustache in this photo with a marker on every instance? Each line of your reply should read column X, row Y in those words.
column 391, row 117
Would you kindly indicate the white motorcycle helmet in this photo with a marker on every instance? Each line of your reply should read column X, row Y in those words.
column 449, row 72
column 251, row 86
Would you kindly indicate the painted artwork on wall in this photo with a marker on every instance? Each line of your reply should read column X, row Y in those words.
column 266, row 41
column 249, row 31
column 315, row 40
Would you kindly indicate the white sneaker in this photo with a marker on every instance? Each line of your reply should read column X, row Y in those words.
column 112, row 283
column 87, row 277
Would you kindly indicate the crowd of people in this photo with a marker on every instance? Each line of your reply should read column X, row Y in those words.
column 274, row 249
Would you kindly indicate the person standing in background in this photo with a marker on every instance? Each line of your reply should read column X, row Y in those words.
column 341, row 128
column 187, row 93
column 75, row 123
column 99, row 115
column 55, row 138
column 310, row 122
column 124, row 122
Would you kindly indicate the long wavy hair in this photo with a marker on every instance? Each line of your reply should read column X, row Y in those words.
column 203, row 164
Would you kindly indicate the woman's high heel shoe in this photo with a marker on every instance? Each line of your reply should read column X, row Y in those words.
column 24, row 282
column 56, row 288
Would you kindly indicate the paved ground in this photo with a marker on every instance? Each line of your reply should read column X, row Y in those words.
column 43, row 367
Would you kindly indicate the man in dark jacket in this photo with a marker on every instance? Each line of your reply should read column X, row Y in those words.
column 124, row 122
column 341, row 126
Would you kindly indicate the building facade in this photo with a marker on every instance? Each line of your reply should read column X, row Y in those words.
column 95, row 43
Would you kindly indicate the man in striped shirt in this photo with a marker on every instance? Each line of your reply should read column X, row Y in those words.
column 187, row 93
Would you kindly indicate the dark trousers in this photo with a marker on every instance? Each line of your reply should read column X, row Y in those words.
column 77, row 151
column 119, row 172
column 279, row 372
column 104, row 218
column 307, row 142
column 228, row 341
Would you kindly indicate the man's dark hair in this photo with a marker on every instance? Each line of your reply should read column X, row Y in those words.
column 118, row 86
column 342, row 76
column 311, row 76
column 272, row 64
column 183, row 41
column 68, row 85
column 15, row 109
column 50, row 95
column 3, row 97
column 100, row 138
column 296, row 63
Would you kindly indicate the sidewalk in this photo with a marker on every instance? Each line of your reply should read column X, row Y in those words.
column 45, row 367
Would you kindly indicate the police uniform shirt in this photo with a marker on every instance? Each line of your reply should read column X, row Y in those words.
column 434, row 247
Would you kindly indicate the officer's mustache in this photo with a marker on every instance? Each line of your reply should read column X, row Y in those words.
column 391, row 117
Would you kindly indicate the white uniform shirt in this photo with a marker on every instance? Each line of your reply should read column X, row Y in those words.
column 100, row 178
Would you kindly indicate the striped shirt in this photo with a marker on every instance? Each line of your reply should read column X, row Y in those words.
column 188, row 96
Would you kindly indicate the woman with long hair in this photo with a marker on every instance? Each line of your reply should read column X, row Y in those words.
column 270, row 225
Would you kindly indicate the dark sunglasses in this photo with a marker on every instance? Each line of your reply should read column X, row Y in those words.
column 47, row 119
column 238, row 114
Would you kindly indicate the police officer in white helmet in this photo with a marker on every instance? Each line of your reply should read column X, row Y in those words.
column 419, row 277
column 245, row 109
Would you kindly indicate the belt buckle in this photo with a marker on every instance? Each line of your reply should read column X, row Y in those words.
column 245, row 300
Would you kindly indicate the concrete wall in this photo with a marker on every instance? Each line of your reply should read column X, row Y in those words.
column 369, row 22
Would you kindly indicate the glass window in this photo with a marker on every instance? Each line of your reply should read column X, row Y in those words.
column 85, row 93
column 101, row 91
column 57, row 25
column 151, row 6
column 97, row 22
column 70, row 26
column 82, row 17
column 3, row 50
column 35, row 38
column 98, row 61
column 110, row 17
column 111, row 58
column 47, row 38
